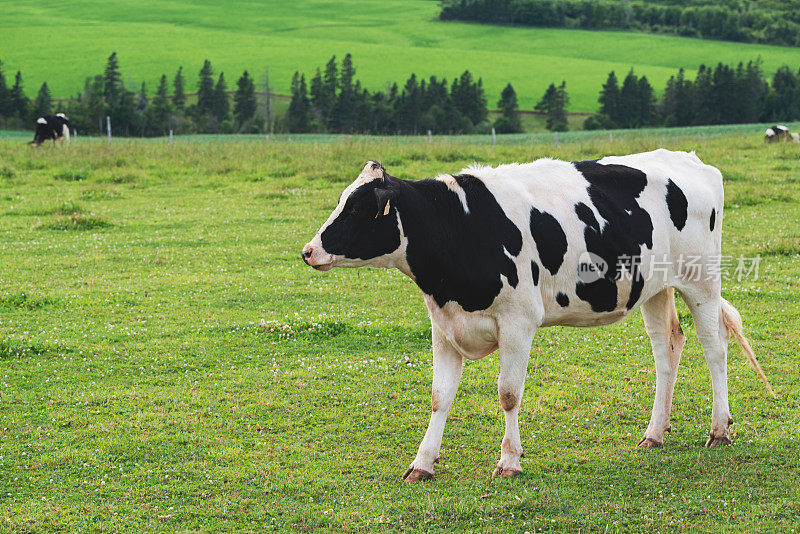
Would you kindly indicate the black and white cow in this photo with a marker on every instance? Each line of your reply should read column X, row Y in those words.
column 51, row 127
column 778, row 132
column 500, row 252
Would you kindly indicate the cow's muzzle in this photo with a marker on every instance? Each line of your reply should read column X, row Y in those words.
column 316, row 258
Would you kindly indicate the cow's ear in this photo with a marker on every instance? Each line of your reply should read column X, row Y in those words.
column 384, row 197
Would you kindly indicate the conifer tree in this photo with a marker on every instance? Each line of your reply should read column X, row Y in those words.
column 509, row 122
column 298, row 117
column 112, row 80
column 205, row 89
column 647, row 103
column 610, row 104
column 630, row 109
column 554, row 105
column 179, row 98
column 19, row 102
column 43, row 105
column 244, row 101
column 221, row 108
column 160, row 110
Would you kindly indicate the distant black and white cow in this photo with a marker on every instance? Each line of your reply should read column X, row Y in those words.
column 776, row 133
column 51, row 127
column 500, row 252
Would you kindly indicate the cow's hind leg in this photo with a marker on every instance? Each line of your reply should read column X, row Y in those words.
column 706, row 308
column 667, row 340
column 447, row 368
column 515, row 351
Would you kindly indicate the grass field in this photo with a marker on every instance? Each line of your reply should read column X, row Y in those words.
column 62, row 42
column 139, row 391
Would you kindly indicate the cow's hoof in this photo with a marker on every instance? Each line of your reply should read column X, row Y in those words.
column 718, row 441
column 415, row 475
column 649, row 443
column 503, row 472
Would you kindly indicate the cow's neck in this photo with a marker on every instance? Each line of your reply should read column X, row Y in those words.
column 435, row 237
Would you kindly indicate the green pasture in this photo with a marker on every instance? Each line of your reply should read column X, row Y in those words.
column 63, row 42
column 168, row 364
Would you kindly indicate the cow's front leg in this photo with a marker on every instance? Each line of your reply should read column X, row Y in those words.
column 515, row 351
column 447, row 367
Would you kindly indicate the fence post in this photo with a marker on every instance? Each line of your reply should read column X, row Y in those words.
column 170, row 137
column 267, row 138
column 610, row 137
column 555, row 139
column 108, row 128
column 430, row 136
column 703, row 137
column 75, row 134
column 494, row 138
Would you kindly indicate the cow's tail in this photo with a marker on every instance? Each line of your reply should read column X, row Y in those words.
column 733, row 322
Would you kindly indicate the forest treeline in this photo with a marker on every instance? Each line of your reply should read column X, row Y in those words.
column 724, row 94
column 335, row 101
column 718, row 95
column 133, row 112
column 753, row 21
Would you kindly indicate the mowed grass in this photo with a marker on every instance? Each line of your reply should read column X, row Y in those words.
column 63, row 43
column 168, row 364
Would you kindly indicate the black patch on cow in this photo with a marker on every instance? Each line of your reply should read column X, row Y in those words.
column 613, row 190
column 562, row 299
column 677, row 204
column 535, row 272
column 713, row 220
column 453, row 255
column 551, row 241
column 361, row 231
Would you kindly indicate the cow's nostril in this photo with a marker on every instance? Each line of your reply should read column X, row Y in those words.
column 307, row 253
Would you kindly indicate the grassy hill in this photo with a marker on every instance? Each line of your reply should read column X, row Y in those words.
column 64, row 42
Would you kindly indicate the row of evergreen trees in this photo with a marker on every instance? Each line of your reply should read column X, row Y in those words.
column 134, row 113
column 718, row 95
column 334, row 101
column 16, row 109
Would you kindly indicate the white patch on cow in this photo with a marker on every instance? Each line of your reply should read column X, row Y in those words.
column 61, row 115
column 64, row 134
column 41, row 120
column 372, row 171
column 795, row 137
column 769, row 132
column 782, row 128
column 452, row 185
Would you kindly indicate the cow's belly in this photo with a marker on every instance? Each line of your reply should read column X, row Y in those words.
column 472, row 334
column 585, row 318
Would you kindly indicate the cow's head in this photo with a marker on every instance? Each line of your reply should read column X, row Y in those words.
column 364, row 229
